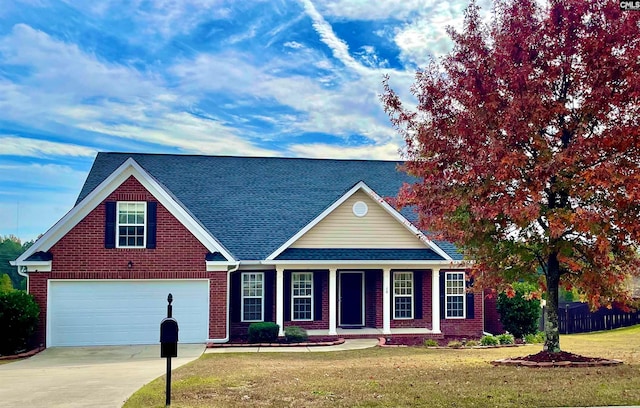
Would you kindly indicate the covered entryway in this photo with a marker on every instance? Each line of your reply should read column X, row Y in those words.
column 351, row 299
column 120, row 312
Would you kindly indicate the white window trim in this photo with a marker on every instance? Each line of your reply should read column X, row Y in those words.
column 393, row 285
column 146, row 225
column 243, row 297
column 293, row 297
column 464, row 296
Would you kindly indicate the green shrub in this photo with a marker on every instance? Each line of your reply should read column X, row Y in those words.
column 472, row 343
column 454, row 344
column 506, row 338
column 519, row 315
column 263, row 332
column 430, row 343
column 531, row 338
column 295, row 334
column 18, row 320
column 489, row 340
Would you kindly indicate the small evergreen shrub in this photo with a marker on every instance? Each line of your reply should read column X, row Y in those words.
column 519, row 315
column 430, row 343
column 536, row 338
column 263, row 332
column 454, row 344
column 295, row 334
column 506, row 338
column 472, row 343
column 18, row 320
column 489, row 340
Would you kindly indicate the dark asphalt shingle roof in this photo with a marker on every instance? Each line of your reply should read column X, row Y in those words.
column 357, row 254
column 253, row 205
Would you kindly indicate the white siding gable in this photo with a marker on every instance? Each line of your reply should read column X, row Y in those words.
column 343, row 229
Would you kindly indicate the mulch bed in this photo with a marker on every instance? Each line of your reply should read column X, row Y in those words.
column 24, row 354
column 561, row 359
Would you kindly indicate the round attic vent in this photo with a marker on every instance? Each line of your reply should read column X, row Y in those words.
column 360, row 209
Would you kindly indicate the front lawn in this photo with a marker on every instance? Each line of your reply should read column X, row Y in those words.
column 395, row 377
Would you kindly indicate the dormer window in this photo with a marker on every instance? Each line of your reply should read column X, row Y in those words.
column 132, row 217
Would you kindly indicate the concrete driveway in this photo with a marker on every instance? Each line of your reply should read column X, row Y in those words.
column 85, row 376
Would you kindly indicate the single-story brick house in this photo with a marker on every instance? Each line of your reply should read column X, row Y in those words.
column 236, row 240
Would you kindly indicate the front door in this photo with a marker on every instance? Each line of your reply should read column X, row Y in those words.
column 351, row 298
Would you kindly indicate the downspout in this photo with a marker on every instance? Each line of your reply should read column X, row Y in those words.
column 22, row 271
column 228, row 323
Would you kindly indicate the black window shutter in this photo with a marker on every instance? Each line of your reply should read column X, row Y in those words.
column 110, row 224
column 417, row 297
column 268, row 296
column 236, row 300
column 470, row 303
column 317, row 295
column 152, row 208
column 287, row 296
column 442, row 302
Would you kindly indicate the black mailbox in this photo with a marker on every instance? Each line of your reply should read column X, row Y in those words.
column 169, row 337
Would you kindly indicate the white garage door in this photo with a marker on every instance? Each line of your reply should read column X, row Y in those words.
column 118, row 312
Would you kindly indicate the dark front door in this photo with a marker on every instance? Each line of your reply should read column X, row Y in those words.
column 351, row 298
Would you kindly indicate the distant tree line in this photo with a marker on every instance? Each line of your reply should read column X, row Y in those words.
column 10, row 248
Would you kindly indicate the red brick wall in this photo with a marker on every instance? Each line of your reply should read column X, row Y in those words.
column 81, row 254
column 492, row 322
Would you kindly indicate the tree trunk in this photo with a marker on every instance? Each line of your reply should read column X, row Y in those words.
column 551, row 325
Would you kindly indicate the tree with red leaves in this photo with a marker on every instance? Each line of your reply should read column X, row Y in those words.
column 526, row 145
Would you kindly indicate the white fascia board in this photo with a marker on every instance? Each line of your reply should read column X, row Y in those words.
column 214, row 266
column 361, row 185
column 354, row 265
column 33, row 266
column 129, row 168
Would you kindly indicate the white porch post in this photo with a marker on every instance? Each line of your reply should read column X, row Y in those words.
column 386, row 301
column 435, row 300
column 280, row 299
column 333, row 321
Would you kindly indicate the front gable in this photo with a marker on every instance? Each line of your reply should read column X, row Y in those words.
column 118, row 186
column 373, row 227
column 360, row 219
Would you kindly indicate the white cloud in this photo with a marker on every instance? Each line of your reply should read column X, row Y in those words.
column 293, row 44
column 378, row 10
column 387, row 151
column 26, row 147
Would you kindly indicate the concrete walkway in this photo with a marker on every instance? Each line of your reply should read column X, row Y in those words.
column 351, row 344
column 85, row 376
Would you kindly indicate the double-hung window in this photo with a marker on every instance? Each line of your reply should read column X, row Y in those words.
column 131, row 228
column 252, row 297
column 403, row 295
column 455, row 295
column 302, row 295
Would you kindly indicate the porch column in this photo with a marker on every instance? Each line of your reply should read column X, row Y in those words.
column 435, row 300
column 386, row 301
column 280, row 299
column 333, row 318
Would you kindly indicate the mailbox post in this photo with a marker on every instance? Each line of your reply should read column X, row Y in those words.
column 169, row 343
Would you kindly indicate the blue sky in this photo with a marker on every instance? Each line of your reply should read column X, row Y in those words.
column 251, row 78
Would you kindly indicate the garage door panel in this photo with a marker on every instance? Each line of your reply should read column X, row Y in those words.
column 125, row 312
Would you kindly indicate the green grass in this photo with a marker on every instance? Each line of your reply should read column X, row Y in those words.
column 402, row 377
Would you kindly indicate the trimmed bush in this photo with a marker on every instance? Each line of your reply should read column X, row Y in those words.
column 519, row 315
column 263, row 332
column 531, row 338
column 489, row 341
column 295, row 334
column 430, row 343
column 506, row 338
column 455, row 344
column 472, row 343
column 18, row 320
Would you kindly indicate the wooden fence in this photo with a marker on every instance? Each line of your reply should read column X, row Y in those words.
column 576, row 317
